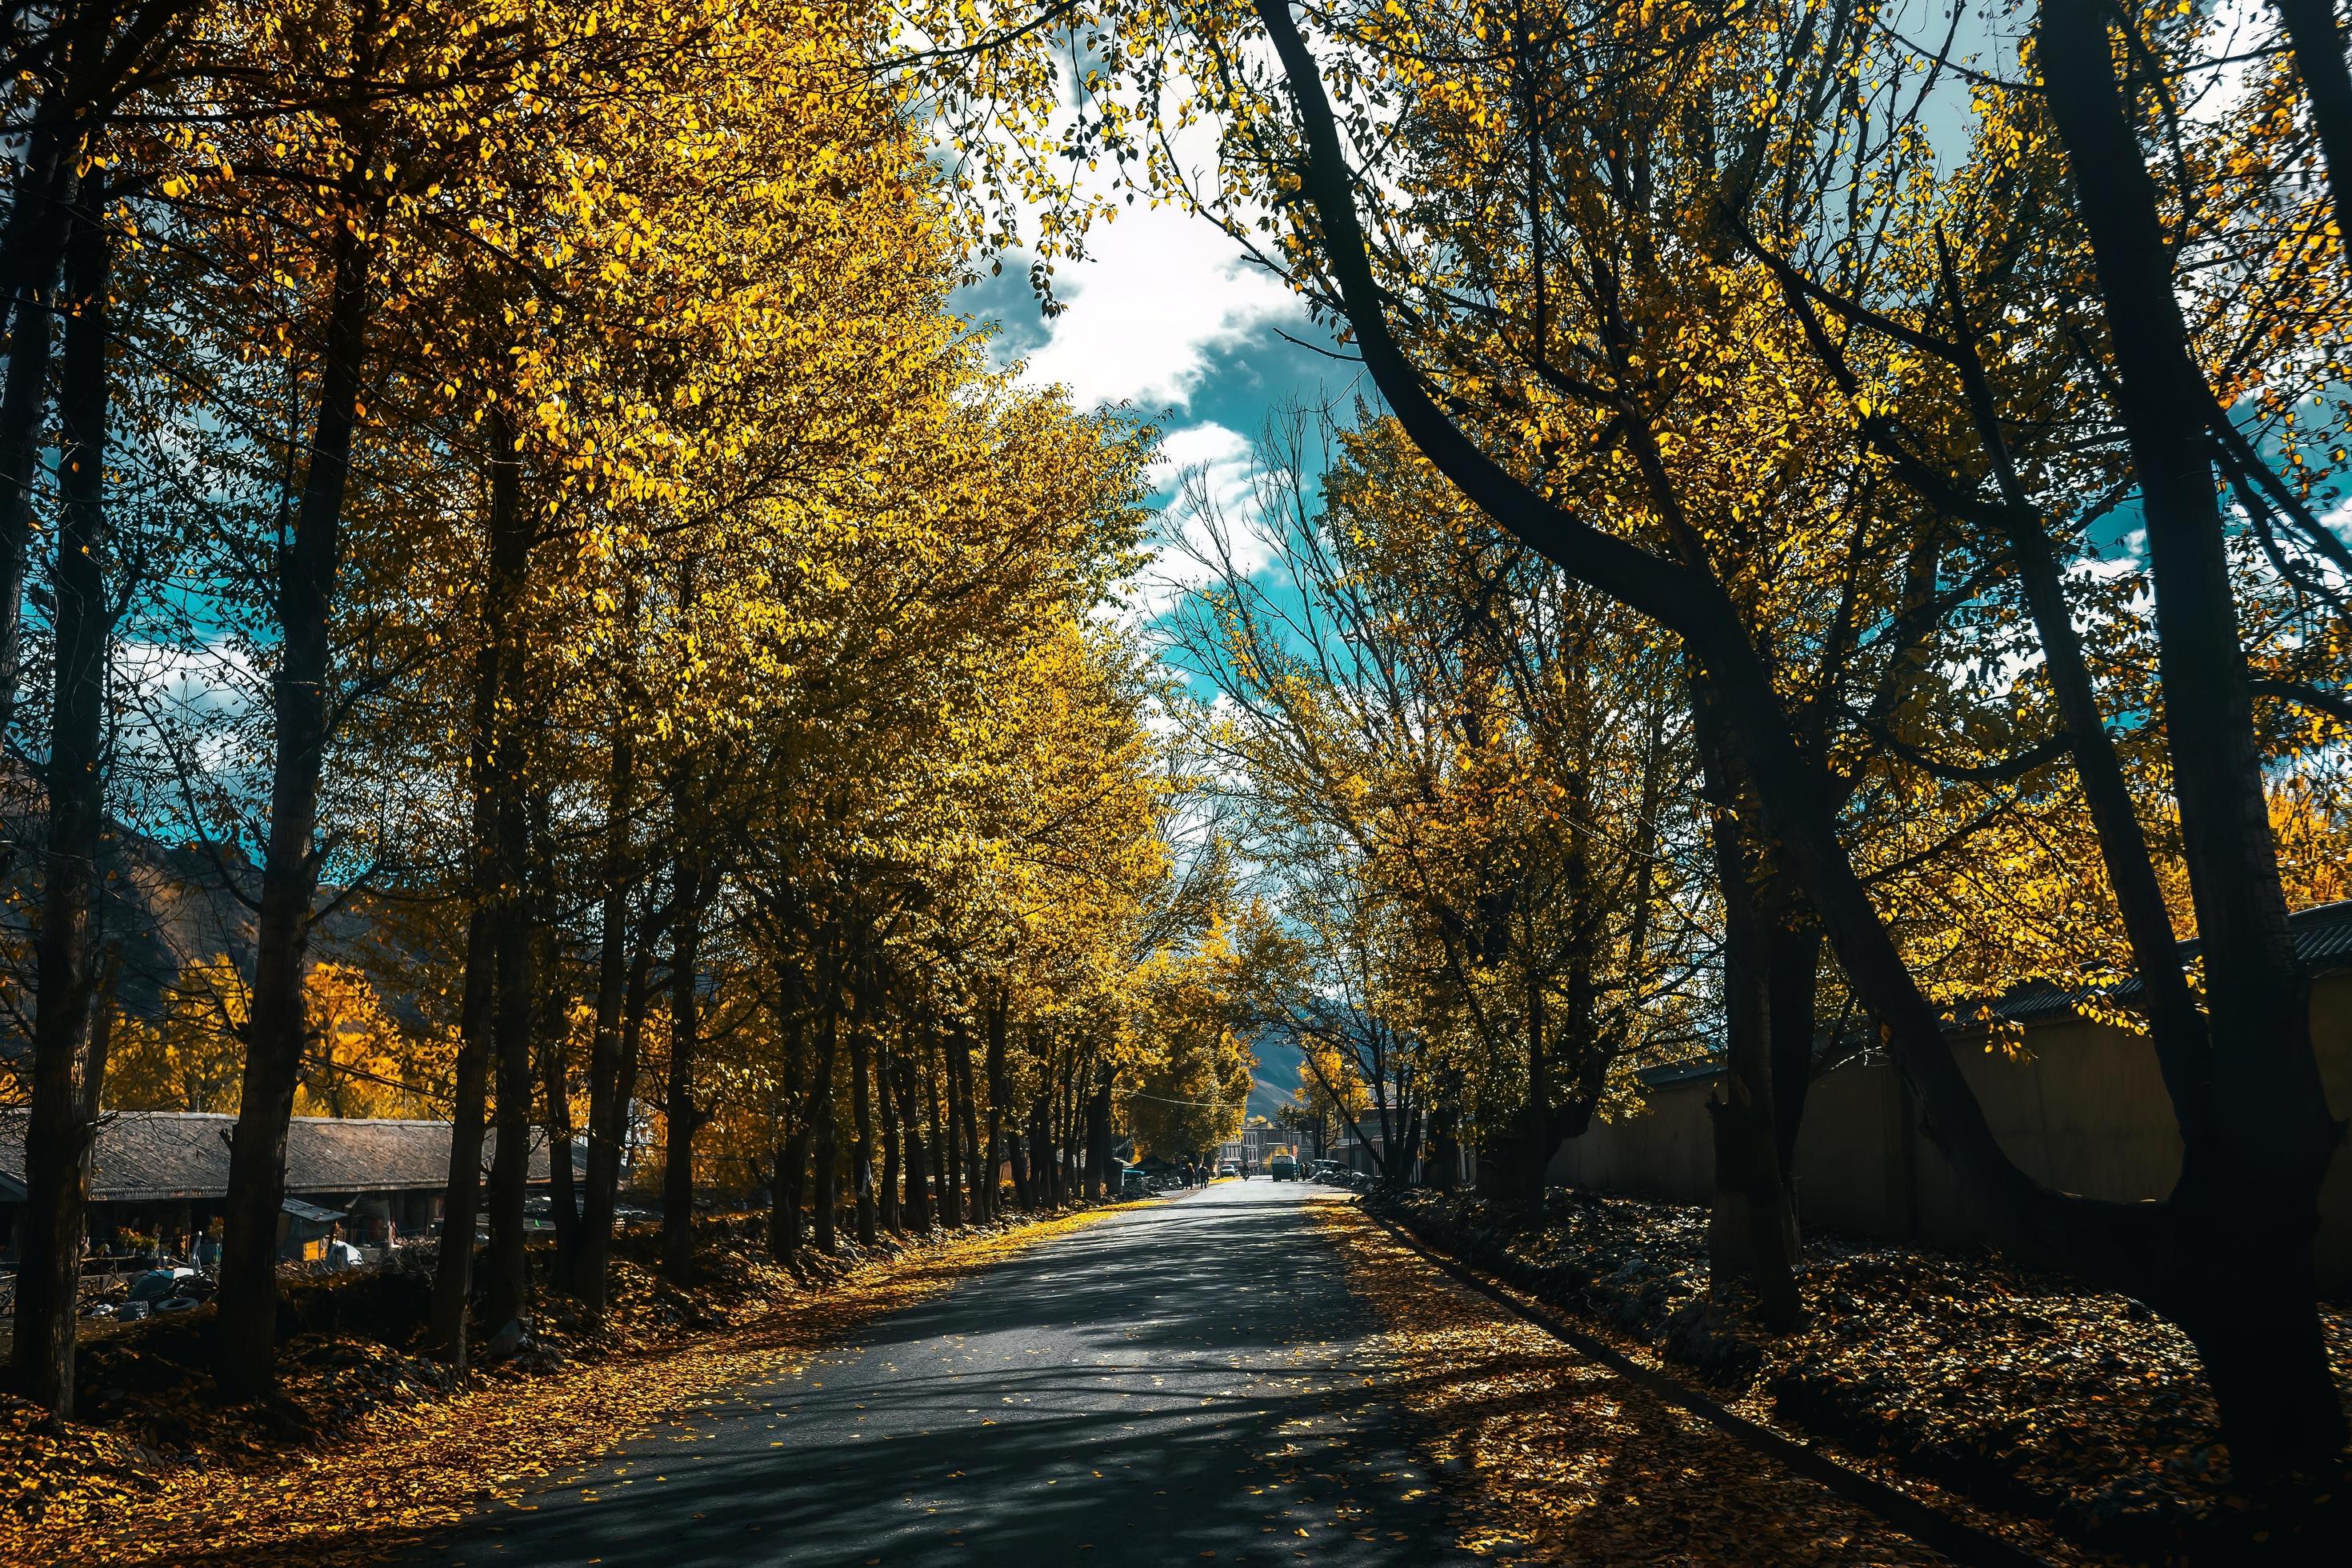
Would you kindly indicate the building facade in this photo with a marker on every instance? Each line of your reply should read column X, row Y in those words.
column 158, row 1179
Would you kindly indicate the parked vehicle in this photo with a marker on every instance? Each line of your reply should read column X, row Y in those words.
column 1282, row 1168
column 1229, row 1169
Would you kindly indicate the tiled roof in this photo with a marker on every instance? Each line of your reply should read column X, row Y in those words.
column 2323, row 941
column 148, row 1154
column 2323, row 935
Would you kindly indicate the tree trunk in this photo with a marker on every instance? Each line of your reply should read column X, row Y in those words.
column 277, row 1027
column 493, row 774
column 513, row 1023
column 606, row 1112
column 998, row 1095
column 2318, row 45
column 681, row 1117
column 864, row 1207
column 507, row 1288
column 563, row 1192
column 821, row 1110
column 1044, row 1174
column 893, row 1214
column 1520, row 1170
column 1445, row 1148
column 2247, row 1204
column 453, row 1278
column 1016, row 1156
column 1793, row 977
column 784, row 1227
column 939, row 1094
column 1751, row 1233
column 553, row 1033
column 783, row 1224
column 31, row 246
column 1098, row 1179
column 633, row 1037
column 918, row 1166
column 979, row 1185
column 955, row 1068
column 861, row 1089
column 67, row 1070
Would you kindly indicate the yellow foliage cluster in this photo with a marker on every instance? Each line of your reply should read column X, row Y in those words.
column 362, row 1062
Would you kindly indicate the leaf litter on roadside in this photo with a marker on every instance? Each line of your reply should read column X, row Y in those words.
column 1555, row 1458
column 2021, row 1390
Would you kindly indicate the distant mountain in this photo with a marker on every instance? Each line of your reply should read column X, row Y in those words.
column 1276, row 1078
column 163, row 906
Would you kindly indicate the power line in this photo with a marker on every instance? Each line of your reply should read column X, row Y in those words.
column 1163, row 1100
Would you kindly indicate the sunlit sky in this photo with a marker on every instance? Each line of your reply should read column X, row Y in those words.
column 1168, row 317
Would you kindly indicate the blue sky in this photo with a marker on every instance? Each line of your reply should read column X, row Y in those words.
column 1170, row 319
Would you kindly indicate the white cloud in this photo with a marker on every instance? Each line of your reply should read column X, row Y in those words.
column 1161, row 291
column 2338, row 521
column 1203, row 443
column 184, row 703
column 2124, row 559
column 215, row 682
column 1208, row 476
column 2218, row 95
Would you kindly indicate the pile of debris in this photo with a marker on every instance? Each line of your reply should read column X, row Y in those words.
column 160, row 1291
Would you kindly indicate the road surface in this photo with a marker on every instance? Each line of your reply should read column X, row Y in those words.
column 1174, row 1383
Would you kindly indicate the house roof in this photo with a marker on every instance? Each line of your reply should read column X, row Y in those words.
column 2322, row 943
column 144, row 1155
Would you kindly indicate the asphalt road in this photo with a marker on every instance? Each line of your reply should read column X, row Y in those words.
column 1174, row 1383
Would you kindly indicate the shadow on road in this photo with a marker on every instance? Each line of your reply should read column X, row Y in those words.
column 1173, row 1384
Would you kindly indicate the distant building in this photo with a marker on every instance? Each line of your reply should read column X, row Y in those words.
column 1257, row 1146
column 164, row 1174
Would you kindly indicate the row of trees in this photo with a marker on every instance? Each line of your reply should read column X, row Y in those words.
column 1920, row 427
column 1474, row 783
column 500, row 491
